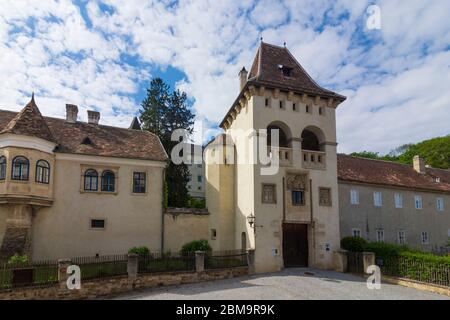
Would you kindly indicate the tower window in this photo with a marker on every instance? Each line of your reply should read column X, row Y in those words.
column 266, row 102
column 20, row 168
column 321, row 111
column 294, row 107
column 281, row 105
column 308, row 109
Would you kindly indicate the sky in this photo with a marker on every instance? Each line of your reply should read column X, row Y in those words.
column 102, row 55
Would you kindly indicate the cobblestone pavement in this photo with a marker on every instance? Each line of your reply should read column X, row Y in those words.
column 289, row 284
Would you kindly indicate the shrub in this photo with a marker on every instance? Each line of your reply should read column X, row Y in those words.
column 196, row 203
column 197, row 245
column 386, row 250
column 18, row 259
column 353, row 244
column 140, row 251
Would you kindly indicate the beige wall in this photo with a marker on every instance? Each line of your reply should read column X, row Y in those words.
column 182, row 228
column 63, row 230
column 368, row 218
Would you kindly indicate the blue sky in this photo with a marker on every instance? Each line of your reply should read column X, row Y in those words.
column 102, row 55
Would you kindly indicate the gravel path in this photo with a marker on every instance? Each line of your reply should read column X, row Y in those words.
column 288, row 284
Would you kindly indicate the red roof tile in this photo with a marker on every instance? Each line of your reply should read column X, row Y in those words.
column 362, row 170
column 105, row 141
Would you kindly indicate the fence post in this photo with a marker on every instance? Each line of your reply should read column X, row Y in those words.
column 132, row 265
column 251, row 261
column 199, row 261
column 341, row 260
column 368, row 260
column 63, row 264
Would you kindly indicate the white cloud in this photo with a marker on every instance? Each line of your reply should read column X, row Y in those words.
column 394, row 78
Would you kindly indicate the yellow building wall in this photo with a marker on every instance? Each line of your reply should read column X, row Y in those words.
column 183, row 228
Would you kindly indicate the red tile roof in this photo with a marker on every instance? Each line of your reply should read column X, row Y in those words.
column 362, row 170
column 105, row 140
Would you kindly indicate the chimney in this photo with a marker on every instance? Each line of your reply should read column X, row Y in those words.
column 419, row 164
column 71, row 113
column 93, row 117
column 243, row 78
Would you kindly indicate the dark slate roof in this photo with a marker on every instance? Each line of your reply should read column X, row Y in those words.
column 265, row 70
column 29, row 122
column 104, row 140
column 362, row 170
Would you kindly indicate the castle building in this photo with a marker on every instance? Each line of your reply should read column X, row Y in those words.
column 291, row 217
column 70, row 188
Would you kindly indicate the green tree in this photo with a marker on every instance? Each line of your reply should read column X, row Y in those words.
column 163, row 112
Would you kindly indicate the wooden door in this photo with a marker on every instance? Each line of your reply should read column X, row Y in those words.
column 295, row 245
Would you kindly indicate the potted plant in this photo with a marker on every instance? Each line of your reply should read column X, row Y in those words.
column 22, row 272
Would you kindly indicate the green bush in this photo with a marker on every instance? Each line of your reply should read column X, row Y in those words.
column 197, row 245
column 196, row 203
column 353, row 244
column 18, row 259
column 140, row 251
column 386, row 250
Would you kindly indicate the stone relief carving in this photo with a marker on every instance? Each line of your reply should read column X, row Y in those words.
column 296, row 182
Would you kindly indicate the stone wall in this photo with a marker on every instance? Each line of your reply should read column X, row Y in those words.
column 115, row 285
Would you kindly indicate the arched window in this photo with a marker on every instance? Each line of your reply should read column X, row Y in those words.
column 20, row 168
column 108, row 181
column 42, row 171
column 310, row 141
column 283, row 140
column 90, row 180
column 2, row 168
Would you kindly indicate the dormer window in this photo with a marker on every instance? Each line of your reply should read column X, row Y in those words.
column 287, row 71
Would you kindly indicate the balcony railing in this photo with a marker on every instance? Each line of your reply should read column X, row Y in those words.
column 314, row 159
column 284, row 154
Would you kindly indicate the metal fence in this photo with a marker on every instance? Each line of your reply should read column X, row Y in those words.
column 101, row 266
column 225, row 259
column 37, row 273
column 416, row 269
column 163, row 262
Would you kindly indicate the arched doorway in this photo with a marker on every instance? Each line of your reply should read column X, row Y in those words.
column 310, row 141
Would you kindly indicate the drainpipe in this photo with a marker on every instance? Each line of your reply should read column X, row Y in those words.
column 163, row 178
column 312, row 220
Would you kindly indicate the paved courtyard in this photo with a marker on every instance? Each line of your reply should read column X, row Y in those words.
column 296, row 283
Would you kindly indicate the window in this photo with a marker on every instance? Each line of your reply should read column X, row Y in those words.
column 199, row 178
column 377, row 200
column 307, row 109
column 294, row 107
column 90, row 180
column 440, row 204
column 425, row 239
column 108, row 181
column 199, row 188
column 418, row 202
column 356, row 232
column 298, row 198
column 213, row 234
column 354, row 196
column 97, row 224
column 266, row 102
column 42, row 171
column 281, row 105
column 199, row 166
column 2, row 168
column 380, row 235
column 325, row 197
column 286, row 71
column 398, row 200
column 20, row 168
column 139, row 181
column 321, row 111
column 401, row 237
column 268, row 193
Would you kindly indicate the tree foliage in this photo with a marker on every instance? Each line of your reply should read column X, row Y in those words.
column 436, row 153
column 164, row 111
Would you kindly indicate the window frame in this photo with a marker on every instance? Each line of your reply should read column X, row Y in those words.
column 375, row 198
column 378, row 232
column 398, row 196
column 424, row 240
column 102, row 184
column 38, row 175
column 97, row 219
column 354, row 195
column 356, row 230
column 3, row 167
column 140, row 173
column 440, row 207
column 418, row 204
column 20, row 171
column 302, row 203
column 85, row 175
column 403, row 233
column 272, row 185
